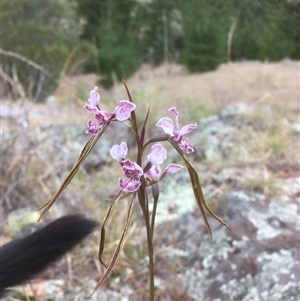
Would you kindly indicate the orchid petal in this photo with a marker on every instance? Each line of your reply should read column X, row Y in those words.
column 189, row 149
column 93, row 127
column 106, row 114
column 175, row 132
column 94, row 97
column 133, row 172
column 171, row 168
column 167, row 125
column 187, row 129
column 157, row 155
column 184, row 143
column 153, row 174
column 119, row 152
column 175, row 113
column 91, row 108
column 131, row 169
column 129, row 185
column 102, row 117
column 124, row 109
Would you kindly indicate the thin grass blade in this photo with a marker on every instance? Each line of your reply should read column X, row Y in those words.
column 102, row 231
column 197, row 189
column 84, row 153
column 117, row 251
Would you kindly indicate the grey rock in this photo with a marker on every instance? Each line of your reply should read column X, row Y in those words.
column 257, row 258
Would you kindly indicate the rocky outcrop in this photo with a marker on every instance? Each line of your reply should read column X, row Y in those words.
column 257, row 258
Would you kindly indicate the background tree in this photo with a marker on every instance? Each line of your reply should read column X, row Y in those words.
column 44, row 31
column 116, row 36
column 161, row 31
column 279, row 36
column 110, row 26
column 266, row 29
column 205, row 28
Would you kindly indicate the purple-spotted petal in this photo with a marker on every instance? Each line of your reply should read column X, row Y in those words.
column 175, row 132
column 93, row 127
column 189, row 149
column 91, row 108
column 157, row 155
column 102, row 117
column 129, row 185
column 133, row 172
column 94, row 97
column 123, row 110
column 153, row 174
column 131, row 169
column 119, row 152
column 184, row 143
column 187, row 129
column 167, row 125
column 171, row 168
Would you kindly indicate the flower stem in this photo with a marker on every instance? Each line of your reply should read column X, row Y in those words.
column 155, row 193
column 143, row 200
column 150, row 251
column 151, row 270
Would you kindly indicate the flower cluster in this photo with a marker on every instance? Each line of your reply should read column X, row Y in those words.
column 121, row 112
column 156, row 157
column 133, row 172
column 177, row 134
column 136, row 178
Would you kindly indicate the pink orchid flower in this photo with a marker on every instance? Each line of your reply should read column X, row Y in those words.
column 121, row 112
column 156, row 157
column 131, row 170
column 173, row 130
column 94, row 99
